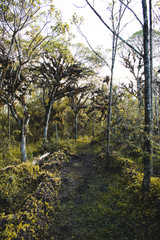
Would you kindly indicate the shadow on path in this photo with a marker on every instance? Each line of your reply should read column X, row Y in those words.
column 75, row 176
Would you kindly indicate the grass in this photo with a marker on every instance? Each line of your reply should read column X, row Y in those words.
column 110, row 205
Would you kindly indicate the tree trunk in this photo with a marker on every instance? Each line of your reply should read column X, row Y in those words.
column 109, row 113
column 114, row 50
column 94, row 121
column 147, row 130
column 76, row 123
column 151, row 58
column 23, row 122
column 156, row 107
column 23, row 142
column 47, row 117
column 157, row 114
column 151, row 76
column 138, row 84
column 9, row 124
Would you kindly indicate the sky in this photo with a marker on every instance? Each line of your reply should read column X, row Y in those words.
column 93, row 28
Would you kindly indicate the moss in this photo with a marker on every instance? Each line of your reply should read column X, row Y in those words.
column 29, row 196
column 109, row 207
column 112, row 207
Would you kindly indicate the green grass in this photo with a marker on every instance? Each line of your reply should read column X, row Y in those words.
column 110, row 207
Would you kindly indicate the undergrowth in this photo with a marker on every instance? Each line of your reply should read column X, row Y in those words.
column 110, row 205
column 28, row 198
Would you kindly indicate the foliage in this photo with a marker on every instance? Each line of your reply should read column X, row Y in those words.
column 110, row 206
column 39, row 69
column 29, row 198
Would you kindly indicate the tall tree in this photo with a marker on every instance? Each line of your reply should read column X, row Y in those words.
column 20, row 42
column 134, row 62
column 79, row 98
column 147, row 140
column 57, row 74
column 147, row 129
column 116, row 29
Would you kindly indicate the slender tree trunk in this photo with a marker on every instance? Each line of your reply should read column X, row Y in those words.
column 114, row 50
column 157, row 114
column 24, row 126
column 151, row 76
column 23, row 142
column 138, row 84
column 151, row 58
column 94, row 121
column 147, row 130
column 9, row 124
column 76, row 124
column 110, row 109
column 139, row 93
column 47, row 117
column 23, row 122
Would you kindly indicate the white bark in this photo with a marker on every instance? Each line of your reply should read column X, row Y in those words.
column 47, row 117
column 23, row 144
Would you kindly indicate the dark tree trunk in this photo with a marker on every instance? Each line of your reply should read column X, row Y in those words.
column 94, row 120
column 9, row 124
column 151, row 76
column 76, row 128
column 147, row 130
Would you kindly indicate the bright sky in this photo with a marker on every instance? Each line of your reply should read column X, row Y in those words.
column 93, row 28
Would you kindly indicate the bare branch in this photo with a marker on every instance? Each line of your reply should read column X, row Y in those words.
column 92, row 47
column 112, row 30
column 80, row 6
column 132, row 12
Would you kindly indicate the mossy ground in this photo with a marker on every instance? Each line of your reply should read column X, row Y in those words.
column 105, row 203
column 73, row 195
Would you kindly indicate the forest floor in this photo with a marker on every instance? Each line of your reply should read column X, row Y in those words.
column 71, row 194
column 76, row 176
column 97, row 203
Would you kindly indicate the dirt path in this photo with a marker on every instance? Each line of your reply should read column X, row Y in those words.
column 76, row 176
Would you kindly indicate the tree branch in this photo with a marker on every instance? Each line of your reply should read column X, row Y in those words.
column 132, row 12
column 92, row 47
column 112, row 30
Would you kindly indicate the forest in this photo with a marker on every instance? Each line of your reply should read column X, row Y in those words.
column 79, row 154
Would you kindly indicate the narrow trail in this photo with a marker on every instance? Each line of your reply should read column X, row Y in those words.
column 76, row 177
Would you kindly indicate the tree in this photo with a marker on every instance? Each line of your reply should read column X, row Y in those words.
column 134, row 62
column 148, row 110
column 56, row 74
column 116, row 29
column 98, row 104
column 79, row 98
column 20, row 44
column 147, row 129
